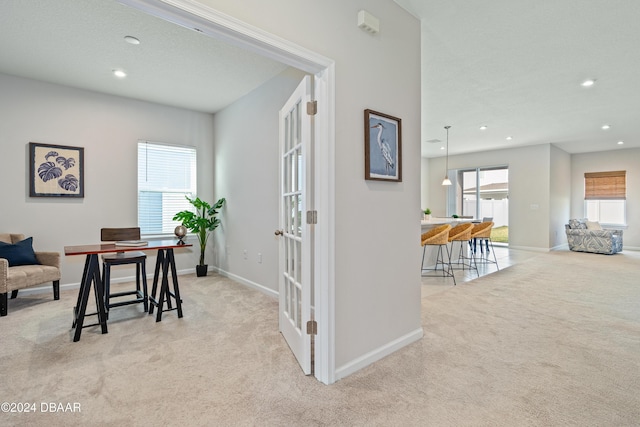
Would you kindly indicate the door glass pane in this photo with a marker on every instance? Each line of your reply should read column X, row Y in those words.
column 469, row 193
column 286, row 175
column 298, row 261
column 299, row 309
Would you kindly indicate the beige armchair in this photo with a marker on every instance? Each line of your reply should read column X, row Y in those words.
column 19, row 277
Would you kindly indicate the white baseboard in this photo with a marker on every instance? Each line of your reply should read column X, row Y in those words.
column 529, row 248
column 47, row 287
column 563, row 247
column 377, row 354
column 246, row 282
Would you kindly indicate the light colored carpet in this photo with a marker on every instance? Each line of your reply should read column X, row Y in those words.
column 551, row 341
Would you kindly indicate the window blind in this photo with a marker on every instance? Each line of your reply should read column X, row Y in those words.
column 605, row 185
column 166, row 174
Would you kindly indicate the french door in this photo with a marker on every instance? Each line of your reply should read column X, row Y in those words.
column 296, row 217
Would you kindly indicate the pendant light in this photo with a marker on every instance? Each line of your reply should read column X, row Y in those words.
column 446, row 180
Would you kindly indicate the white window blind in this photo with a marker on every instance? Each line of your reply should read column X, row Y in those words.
column 166, row 174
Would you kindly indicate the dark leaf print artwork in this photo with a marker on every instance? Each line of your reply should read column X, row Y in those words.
column 69, row 183
column 56, row 170
column 49, row 170
column 66, row 163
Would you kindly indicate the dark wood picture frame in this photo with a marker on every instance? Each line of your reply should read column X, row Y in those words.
column 56, row 170
column 382, row 147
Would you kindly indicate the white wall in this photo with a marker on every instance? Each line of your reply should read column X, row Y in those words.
column 560, row 196
column 546, row 176
column 529, row 183
column 377, row 282
column 424, row 189
column 624, row 159
column 108, row 127
column 247, row 175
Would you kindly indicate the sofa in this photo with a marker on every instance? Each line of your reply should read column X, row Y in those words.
column 589, row 236
column 21, row 267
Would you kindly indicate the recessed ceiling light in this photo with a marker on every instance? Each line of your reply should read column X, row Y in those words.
column 606, row 127
column 131, row 40
column 483, row 127
column 120, row 74
column 509, row 138
column 620, row 142
column 588, row 82
column 442, row 148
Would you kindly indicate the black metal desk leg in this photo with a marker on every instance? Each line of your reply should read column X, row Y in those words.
column 156, row 276
column 164, row 288
column 174, row 276
column 90, row 274
column 83, row 283
column 166, row 262
column 101, row 306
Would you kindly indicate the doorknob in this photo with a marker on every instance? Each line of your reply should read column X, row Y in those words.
column 279, row 232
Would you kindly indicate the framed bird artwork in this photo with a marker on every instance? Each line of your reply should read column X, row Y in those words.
column 382, row 147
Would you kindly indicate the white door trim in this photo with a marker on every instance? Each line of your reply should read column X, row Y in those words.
column 195, row 15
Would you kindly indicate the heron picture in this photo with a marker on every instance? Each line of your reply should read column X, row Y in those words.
column 383, row 154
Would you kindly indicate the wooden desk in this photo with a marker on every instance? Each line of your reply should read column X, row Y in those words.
column 91, row 274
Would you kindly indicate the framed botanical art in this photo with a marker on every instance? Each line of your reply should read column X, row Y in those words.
column 382, row 147
column 56, row 170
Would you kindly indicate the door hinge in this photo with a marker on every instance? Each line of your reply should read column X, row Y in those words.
column 312, row 217
column 312, row 108
column 312, row 327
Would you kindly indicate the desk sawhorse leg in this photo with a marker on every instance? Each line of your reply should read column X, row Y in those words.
column 90, row 274
column 165, row 260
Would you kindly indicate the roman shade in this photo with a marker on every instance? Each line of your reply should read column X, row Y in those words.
column 605, row 185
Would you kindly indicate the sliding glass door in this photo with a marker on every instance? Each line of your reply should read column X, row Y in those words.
column 482, row 193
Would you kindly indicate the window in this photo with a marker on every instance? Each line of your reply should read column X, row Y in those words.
column 481, row 192
column 166, row 174
column 605, row 195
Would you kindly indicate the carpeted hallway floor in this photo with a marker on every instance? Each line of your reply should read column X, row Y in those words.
column 551, row 341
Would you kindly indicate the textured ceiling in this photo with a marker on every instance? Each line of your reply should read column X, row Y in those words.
column 79, row 43
column 516, row 67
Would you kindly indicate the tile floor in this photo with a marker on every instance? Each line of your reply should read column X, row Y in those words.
column 504, row 256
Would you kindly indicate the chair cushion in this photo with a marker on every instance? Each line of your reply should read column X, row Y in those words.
column 20, row 253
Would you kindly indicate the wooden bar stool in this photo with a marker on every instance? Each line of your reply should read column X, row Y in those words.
column 462, row 233
column 482, row 233
column 438, row 236
column 119, row 258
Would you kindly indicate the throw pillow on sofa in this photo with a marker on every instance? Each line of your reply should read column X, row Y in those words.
column 593, row 225
column 577, row 224
column 20, row 253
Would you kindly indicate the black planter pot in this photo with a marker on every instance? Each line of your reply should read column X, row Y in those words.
column 201, row 270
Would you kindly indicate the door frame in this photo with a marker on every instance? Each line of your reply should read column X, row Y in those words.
column 194, row 15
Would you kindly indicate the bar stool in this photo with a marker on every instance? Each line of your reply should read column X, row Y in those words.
column 119, row 258
column 482, row 232
column 462, row 233
column 438, row 236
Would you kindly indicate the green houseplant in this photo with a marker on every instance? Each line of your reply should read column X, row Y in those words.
column 427, row 213
column 201, row 222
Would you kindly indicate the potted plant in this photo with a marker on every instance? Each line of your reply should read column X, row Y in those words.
column 201, row 222
column 427, row 214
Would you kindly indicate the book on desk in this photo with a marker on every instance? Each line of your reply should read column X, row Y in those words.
column 132, row 243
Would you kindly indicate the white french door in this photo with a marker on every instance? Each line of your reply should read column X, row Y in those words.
column 295, row 233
